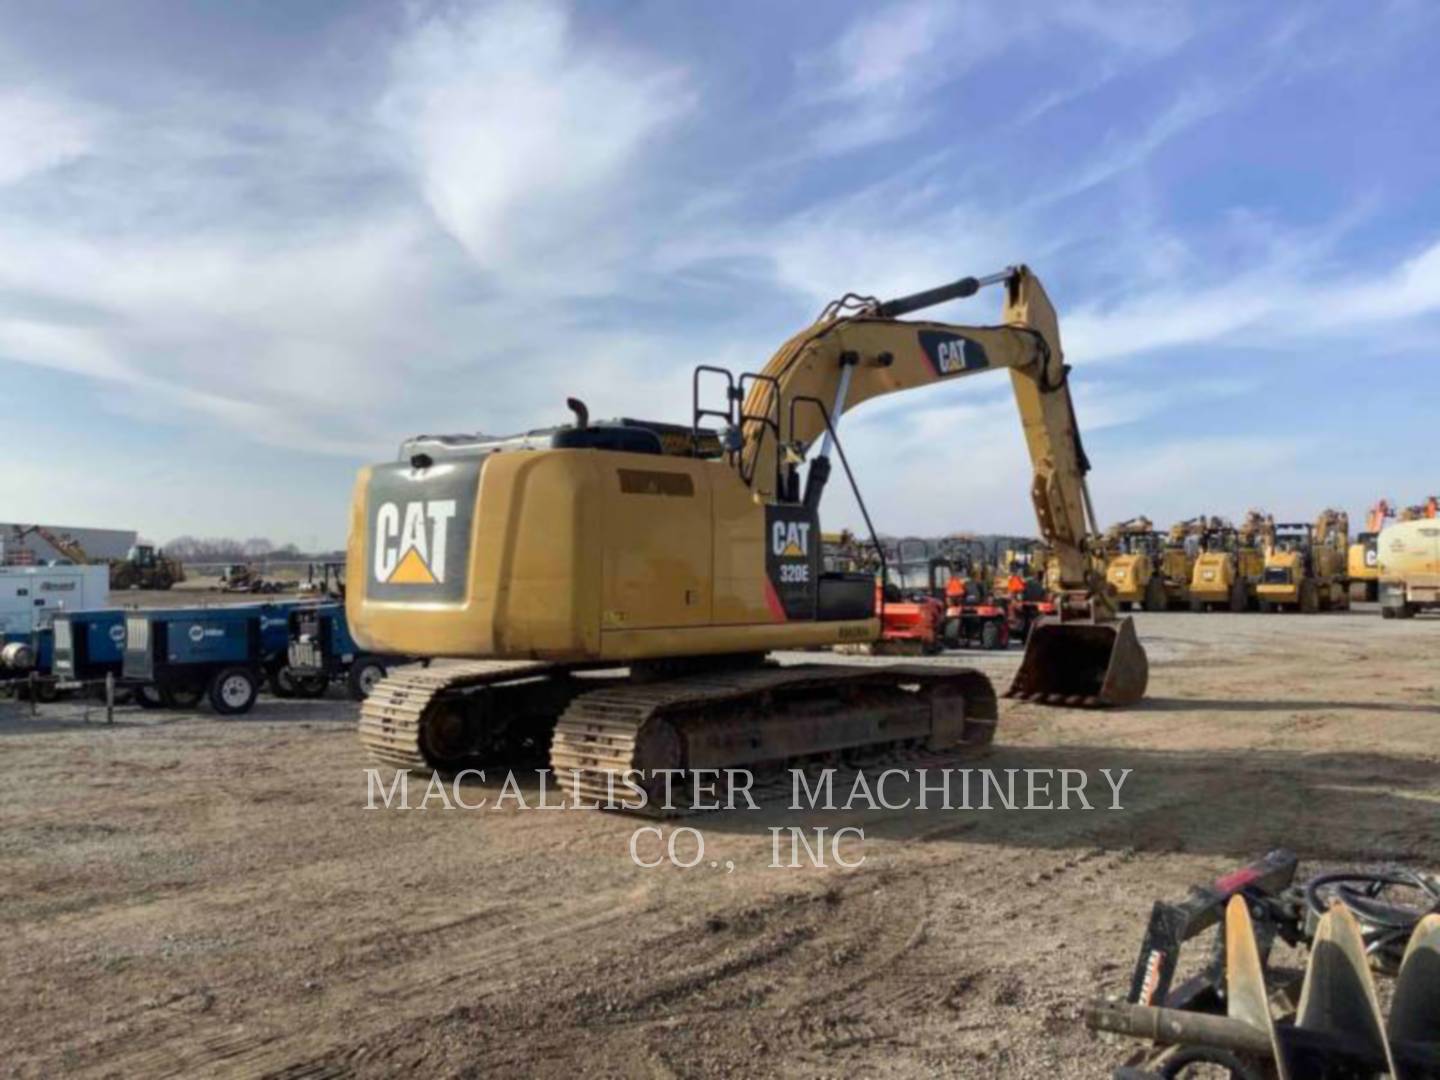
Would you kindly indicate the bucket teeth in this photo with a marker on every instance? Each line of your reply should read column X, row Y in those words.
column 1082, row 664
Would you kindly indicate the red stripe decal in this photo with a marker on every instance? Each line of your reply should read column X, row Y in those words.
column 772, row 599
column 1235, row 881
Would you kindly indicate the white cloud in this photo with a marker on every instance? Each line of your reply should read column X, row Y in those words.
column 874, row 78
column 503, row 215
column 38, row 133
column 522, row 139
column 1285, row 300
column 1120, row 154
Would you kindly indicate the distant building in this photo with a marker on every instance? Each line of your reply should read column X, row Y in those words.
column 99, row 544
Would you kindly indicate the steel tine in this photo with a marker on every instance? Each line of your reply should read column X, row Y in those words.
column 1246, row 998
column 1415, row 1010
column 1338, row 996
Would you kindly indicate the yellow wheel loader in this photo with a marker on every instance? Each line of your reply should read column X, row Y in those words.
column 1177, row 560
column 1305, row 566
column 1135, row 552
column 1226, row 569
column 616, row 586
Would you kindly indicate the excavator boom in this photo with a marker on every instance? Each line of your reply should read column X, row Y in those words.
column 1080, row 657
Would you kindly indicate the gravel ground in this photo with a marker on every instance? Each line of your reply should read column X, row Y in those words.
column 182, row 895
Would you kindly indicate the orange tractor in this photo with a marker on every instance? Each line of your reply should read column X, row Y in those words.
column 911, row 612
column 1021, row 580
column 975, row 614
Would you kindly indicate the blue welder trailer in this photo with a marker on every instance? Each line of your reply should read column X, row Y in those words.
column 88, row 646
column 180, row 656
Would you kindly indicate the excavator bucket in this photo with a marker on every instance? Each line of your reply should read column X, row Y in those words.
column 1082, row 664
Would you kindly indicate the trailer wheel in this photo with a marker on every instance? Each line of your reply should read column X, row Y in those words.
column 990, row 635
column 310, row 687
column 233, row 691
column 365, row 673
column 1388, row 613
column 1155, row 599
column 281, row 680
column 148, row 697
column 181, row 697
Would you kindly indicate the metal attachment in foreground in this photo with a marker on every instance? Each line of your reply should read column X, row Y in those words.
column 1244, row 1017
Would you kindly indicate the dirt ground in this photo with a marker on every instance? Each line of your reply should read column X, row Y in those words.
column 182, row 895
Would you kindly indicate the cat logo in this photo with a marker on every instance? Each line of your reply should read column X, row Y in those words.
column 951, row 354
column 410, row 545
column 790, row 539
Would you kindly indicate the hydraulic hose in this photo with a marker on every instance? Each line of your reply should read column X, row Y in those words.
column 1385, row 924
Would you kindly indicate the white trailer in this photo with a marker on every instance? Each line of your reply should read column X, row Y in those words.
column 30, row 596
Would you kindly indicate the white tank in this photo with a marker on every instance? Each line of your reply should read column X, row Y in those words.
column 1410, row 551
column 17, row 656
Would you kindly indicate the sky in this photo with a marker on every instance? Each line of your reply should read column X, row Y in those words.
column 248, row 247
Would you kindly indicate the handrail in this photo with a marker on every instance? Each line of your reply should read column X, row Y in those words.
column 854, row 488
column 771, row 421
column 696, row 412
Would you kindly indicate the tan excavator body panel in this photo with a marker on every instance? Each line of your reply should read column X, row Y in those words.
column 582, row 555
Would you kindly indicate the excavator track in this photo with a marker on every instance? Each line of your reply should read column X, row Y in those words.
column 738, row 718
column 391, row 717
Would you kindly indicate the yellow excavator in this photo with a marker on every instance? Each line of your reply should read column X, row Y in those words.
column 620, row 584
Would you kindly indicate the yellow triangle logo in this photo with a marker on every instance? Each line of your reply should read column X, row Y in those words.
column 793, row 551
column 412, row 571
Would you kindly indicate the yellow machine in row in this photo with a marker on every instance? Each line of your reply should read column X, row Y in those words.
column 1230, row 563
column 682, row 555
column 1149, row 568
column 1305, row 565
column 1363, row 561
column 1133, row 549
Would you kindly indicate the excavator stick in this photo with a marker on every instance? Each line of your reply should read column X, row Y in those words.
column 1082, row 663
